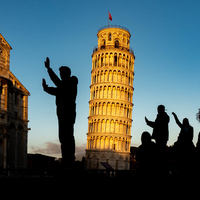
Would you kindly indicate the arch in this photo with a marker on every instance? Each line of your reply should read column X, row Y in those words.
column 127, row 130
column 118, row 92
column 113, row 109
column 116, row 43
column 116, row 126
column 100, row 92
column 122, row 77
column 108, row 108
column 119, row 77
column 120, row 60
column 103, row 43
column 110, row 76
column 114, row 92
column 101, row 76
column 101, row 142
column 125, row 111
column 105, row 76
column 111, row 59
column 127, row 62
column 127, row 78
column 97, row 142
column 124, row 61
column 111, row 143
column 95, row 109
column 126, row 94
column 93, row 143
column 121, row 127
column 107, row 126
column 122, row 93
column 121, row 110
column 115, row 59
column 115, row 144
column 104, row 108
column 120, row 144
column 112, row 126
column 117, row 109
column 100, row 108
column 98, row 77
column 98, row 126
column 12, row 126
column 106, row 59
column 104, row 92
column 109, row 36
column 114, row 76
column 109, row 92
column 103, row 126
column 128, row 112
column 106, row 143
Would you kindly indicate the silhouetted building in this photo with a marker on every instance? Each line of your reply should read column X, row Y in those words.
column 13, row 114
column 133, row 162
column 110, row 105
column 41, row 162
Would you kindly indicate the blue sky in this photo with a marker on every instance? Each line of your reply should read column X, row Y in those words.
column 165, row 37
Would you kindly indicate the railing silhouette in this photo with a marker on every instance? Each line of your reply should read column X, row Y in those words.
column 96, row 48
column 113, row 26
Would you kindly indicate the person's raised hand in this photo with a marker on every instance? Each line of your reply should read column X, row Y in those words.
column 47, row 63
column 44, row 83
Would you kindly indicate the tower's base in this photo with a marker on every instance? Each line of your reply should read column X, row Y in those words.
column 117, row 160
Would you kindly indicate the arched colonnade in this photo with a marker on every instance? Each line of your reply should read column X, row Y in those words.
column 112, row 75
column 111, row 92
column 117, row 59
column 109, row 126
column 110, row 109
column 108, row 143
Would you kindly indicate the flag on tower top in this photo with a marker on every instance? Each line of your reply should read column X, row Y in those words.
column 110, row 17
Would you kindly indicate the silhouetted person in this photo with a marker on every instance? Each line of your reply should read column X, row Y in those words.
column 197, row 157
column 146, row 155
column 65, row 92
column 184, row 147
column 186, row 133
column 160, row 126
column 160, row 135
column 198, row 144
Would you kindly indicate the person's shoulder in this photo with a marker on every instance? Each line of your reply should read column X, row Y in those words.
column 74, row 79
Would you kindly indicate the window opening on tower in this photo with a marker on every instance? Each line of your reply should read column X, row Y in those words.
column 116, row 44
column 109, row 37
column 115, row 60
column 103, row 44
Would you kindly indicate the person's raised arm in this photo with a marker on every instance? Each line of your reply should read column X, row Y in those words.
column 49, row 90
column 52, row 75
column 149, row 123
column 177, row 120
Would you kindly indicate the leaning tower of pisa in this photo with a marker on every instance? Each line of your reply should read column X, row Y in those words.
column 110, row 105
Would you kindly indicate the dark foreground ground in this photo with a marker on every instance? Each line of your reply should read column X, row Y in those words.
column 73, row 184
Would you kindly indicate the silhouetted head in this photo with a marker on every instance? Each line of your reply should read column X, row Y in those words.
column 185, row 122
column 146, row 137
column 65, row 72
column 161, row 109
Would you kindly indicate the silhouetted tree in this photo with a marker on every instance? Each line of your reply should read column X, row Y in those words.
column 198, row 116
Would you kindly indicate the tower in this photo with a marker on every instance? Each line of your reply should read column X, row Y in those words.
column 13, row 114
column 110, row 105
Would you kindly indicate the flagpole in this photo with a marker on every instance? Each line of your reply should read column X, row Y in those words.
column 108, row 18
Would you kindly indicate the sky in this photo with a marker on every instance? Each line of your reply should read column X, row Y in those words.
column 165, row 37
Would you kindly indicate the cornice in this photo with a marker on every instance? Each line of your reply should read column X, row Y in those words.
column 4, row 42
column 111, row 117
column 110, row 135
column 111, row 100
